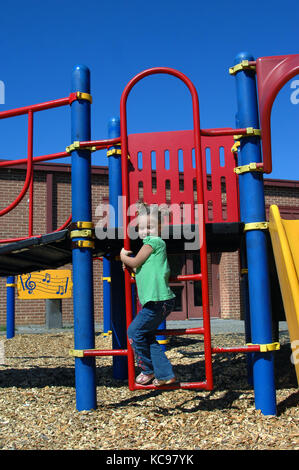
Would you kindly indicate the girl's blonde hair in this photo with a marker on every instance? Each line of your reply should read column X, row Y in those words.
column 152, row 209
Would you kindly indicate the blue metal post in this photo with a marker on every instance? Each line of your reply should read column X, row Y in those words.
column 118, row 311
column 84, row 335
column 252, row 205
column 106, row 296
column 162, row 339
column 10, row 307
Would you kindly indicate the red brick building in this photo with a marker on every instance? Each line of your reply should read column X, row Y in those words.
column 52, row 207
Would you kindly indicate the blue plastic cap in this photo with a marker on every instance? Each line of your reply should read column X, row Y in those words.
column 81, row 78
column 114, row 127
column 243, row 56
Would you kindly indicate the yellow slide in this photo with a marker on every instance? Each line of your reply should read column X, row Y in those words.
column 285, row 241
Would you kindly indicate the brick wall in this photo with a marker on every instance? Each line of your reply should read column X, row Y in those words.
column 52, row 204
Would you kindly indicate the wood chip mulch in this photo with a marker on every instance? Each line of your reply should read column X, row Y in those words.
column 38, row 404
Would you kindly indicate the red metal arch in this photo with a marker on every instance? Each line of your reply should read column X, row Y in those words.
column 124, row 139
column 272, row 74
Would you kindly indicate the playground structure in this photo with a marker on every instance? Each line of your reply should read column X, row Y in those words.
column 222, row 231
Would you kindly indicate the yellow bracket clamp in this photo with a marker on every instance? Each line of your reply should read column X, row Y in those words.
column 250, row 132
column 114, row 151
column 163, row 341
column 256, row 226
column 247, row 168
column 235, row 147
column 244, row 65
column 107, row 334
column 11, row 285
column 76, row 145
column 266, row 347
column 81, row 224
column 87, row 233
column 76, row 352
column 85, row 244
column 107, row 278
column 84, row 96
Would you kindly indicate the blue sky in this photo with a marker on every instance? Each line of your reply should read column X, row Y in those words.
column 41, row 42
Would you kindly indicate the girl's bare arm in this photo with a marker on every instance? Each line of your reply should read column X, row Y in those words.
column 139, row 259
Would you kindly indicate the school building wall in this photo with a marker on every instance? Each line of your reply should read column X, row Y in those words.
column 52, row 207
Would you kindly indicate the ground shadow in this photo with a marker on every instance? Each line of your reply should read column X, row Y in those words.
column 230, row 377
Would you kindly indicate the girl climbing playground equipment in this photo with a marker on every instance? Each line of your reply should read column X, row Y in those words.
column 228, row 214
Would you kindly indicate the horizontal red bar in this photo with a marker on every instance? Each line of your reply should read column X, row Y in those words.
column 104, row 143
column 101, row 144
column 179, row 332
column 42, row 158
column 218, row 132
column 186, row 277
column 35, row 107
column 175, row 386
column 105, row 352
column 12, row 240
column 249, row 348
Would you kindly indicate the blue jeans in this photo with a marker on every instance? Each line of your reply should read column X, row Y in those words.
column 149, row 355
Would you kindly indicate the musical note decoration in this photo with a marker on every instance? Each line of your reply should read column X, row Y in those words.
column 49, row 284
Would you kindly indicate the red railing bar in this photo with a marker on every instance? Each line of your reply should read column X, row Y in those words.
column 180, row 278
column 186, row 277
column 220, row 131
column 235, row 349
column 37, row 107
column 30, row 219
column 175, row 386
column 30, row 156
column 19, row 239
column 102, row 144
column 105, row 352
column 63, row 226
column 42, row 158
column 182, row 331
column 29, row 170
column 12, row 240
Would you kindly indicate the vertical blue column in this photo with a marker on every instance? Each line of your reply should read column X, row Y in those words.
column 10, row 307
column 252, row 205
column 82, row 257
column 118, row 310
column 162, row 339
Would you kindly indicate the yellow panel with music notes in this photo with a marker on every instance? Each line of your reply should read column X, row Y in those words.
column 50, row 284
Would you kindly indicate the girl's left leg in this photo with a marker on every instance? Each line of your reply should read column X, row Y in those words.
column 161, row 364
column 149, row 355
column 138, row 338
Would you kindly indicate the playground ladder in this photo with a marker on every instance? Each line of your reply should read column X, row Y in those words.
column 149, row 197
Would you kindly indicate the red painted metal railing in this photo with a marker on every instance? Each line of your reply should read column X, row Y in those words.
column 272, row 74
column 28, row 184
column 30, row 160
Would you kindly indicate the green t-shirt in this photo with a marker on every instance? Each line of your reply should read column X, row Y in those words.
column 152, row 276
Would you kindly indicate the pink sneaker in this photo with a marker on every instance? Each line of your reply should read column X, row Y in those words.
column 144, row 379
